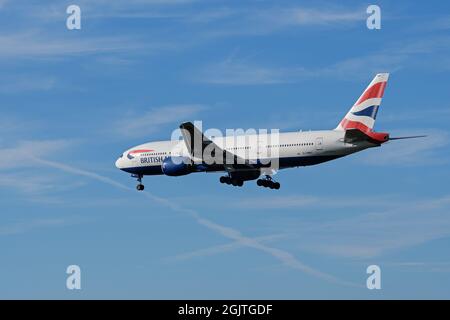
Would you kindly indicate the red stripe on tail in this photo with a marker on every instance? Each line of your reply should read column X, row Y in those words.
column 375, row 91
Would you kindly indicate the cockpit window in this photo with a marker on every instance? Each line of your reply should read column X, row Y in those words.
column 121, row 155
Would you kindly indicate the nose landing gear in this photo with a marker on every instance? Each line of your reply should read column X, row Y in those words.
column 140, row 186
column 268, row 183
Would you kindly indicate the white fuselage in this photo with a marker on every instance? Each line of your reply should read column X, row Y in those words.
column 291, row 149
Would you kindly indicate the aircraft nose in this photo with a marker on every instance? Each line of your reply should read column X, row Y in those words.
column 119, row 163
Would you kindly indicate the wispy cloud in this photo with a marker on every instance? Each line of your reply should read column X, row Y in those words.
column 425, row 266
column 20, row 154
column 376, row 226
column 327, row 16
column 12, row 125
column 225, row 20
column 232, row 72
column 27, row 183
column 263, row 20
column 220, row 249
column 36, row 44
column 3, row 3
column 374, row 233
column 19, row 84
column 17, row 170
column 235, row 70
column 27, row 226
column 305, row 201
column 422, row 151
column 152, row 120
column 283, row 256
column 100, row 9
column 442, row 23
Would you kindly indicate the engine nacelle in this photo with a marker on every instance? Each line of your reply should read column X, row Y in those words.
column 176, row 166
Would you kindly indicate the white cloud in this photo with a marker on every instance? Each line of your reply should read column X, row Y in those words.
column 22, row 154
column 376, row 225
column 16, row 170
column 391, row 58
column 13, row 125
column 151, row 121
column 220, row 249
column 27, row 226
column 305, row 201
column 3, row 3
column 240, row 73
column 309, row 16
column 283, row 256
column 36, row 44
column 234, row 71
column 383, row 225
column 27, row 183
column 420, row 151
column 374, row 233
column 267, row 20
column 19, row 84
column 426, row 266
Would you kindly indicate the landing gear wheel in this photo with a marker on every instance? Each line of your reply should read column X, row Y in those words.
column 268, row 183
column 140, row 186
column 233, row 181
column 225, row 179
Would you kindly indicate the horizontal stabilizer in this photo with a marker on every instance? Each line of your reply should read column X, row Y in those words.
column 410, row 137
column 356, row 135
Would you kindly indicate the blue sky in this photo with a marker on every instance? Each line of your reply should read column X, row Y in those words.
column 72, row 101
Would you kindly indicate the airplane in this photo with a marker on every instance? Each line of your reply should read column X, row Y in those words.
column 251, row 158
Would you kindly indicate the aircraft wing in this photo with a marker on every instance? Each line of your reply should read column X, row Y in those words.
column 196, row 143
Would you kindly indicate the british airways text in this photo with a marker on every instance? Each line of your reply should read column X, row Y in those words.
column 152, row 159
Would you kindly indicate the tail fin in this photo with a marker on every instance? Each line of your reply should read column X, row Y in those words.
column 364, row 112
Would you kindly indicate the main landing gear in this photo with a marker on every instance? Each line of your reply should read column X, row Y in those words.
column 140, row 186
column 233, row 181
column 268, row 183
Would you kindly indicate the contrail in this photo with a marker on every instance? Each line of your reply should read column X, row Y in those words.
column 283, row 256
column 219, row 248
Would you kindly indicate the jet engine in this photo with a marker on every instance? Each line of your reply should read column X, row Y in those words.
column 176, row 166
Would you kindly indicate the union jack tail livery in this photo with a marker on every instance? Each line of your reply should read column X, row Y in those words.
column 363, row 114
